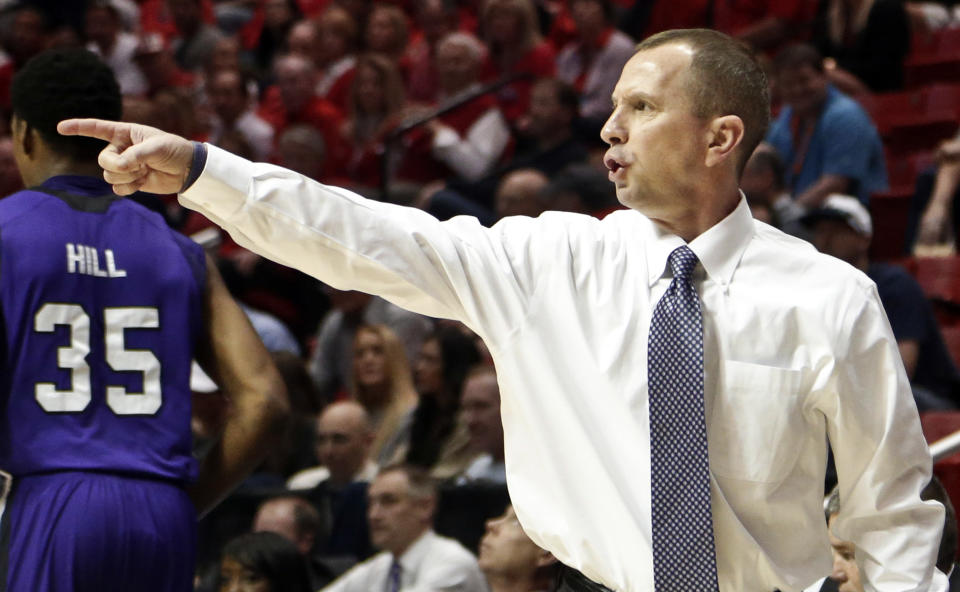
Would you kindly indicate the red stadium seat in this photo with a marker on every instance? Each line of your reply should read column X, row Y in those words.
column 889, row 211
column 934, row 57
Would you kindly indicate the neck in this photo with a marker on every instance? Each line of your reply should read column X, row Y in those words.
column 509, row 583
column 57, row 167
column 694, row 222
column 400, row 550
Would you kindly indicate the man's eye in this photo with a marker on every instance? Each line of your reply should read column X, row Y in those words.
column 640, row 106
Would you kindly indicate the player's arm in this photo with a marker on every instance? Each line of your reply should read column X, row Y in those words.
column 233, row 355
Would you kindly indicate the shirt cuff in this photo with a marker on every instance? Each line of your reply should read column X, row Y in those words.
column 196, row 167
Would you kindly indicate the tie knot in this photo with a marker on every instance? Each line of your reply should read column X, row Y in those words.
column 682, row 261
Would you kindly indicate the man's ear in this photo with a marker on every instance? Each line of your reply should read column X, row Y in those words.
column 23, row 135
column 725, row 134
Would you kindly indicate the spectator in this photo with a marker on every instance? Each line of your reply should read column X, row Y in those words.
column 826, row 140
column 337, row 55
column 936, row 196
column 387, row 33
column 435, row 19
column 521, row 194
column 866, row 40
column 512, row 562
column 510, row 30
column 265, row 562
column 291, row 517
column 382, row 383
column 846, row 571
column 547, row 145
column 232, row 112
column 293, row 100
column 765, row 25
column 592, row 62
column 480, row 406
column 413, row 557
column 436, row 438
column 159, row 67
column 376, row 105
column 195, row 40
column 342, row 446
column 106, row 38
column 468, row 141
column 278, row 18
column 762, row 184
column 583, row 189
column 10, row 181
column 302, row 148
column 332, row 360
column 842, row 228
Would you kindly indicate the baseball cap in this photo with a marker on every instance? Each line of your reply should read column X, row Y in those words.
column 845, row 208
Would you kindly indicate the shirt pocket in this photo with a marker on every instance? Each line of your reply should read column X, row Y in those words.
column 755, row 429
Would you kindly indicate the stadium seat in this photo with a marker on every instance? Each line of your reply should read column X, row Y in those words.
column 934, row 57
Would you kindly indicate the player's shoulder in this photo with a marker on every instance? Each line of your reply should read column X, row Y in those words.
column 20, row 203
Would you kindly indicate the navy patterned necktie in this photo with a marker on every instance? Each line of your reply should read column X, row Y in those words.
column 393, row 578
column 684, row 555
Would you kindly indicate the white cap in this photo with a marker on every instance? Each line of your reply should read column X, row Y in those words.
column 846, row 208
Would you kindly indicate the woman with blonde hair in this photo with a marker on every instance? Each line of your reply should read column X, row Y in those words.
column 375, row 109
column 382, row 382
column 511, row 32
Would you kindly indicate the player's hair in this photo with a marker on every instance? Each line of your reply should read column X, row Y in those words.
column 59, row 84
column 725, row 79
column 271, row 556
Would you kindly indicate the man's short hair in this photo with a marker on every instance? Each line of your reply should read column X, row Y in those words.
column 60, row 84
column 422, row 485
column 798, row 55
column 725, row 79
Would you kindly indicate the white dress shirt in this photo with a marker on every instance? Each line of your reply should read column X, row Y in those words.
column 796, row 349
column 432, row 564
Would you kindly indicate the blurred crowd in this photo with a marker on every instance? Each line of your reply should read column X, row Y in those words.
column 489, row 108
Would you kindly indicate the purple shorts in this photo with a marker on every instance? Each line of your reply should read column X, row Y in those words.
column 77, row 532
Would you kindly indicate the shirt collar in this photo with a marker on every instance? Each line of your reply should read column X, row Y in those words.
column 412, row 558
column 78, row 184
column 719, row 249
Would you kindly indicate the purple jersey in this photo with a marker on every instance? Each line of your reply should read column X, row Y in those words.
column 101, row 306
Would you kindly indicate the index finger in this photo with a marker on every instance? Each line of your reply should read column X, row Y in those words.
column 94, row 128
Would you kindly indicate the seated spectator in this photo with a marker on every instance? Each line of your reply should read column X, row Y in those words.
column 842, row 228
column 387, row 33
column 936, row 196
column 437, row 439
column 195, row 39
column 435, row 19
column 382, row 383
column 826, row 140
column 271, row 42
column 510, row 30
column 546, row 144
column 592, row 63
column 302, row 148
column 376, row 107
column 337, row 55
column 581, row 189
column 480, row 407
column 762, row 184
column 521, row 194
column 512, row 562
column 265, row 560
column 468, row 141
column 296, row 520
column 332, row 359
column 866, row 40
column 293, row 100
column 412, row 557
column 105, row 37
column 229, row 97
column 342, row 447
column 159, row 67
column 291, row 517
column 765, row 25
column 845, row 576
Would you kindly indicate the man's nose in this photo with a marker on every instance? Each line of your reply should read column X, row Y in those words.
column 613, row 131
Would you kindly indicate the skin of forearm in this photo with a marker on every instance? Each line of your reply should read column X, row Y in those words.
column 815, row 194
